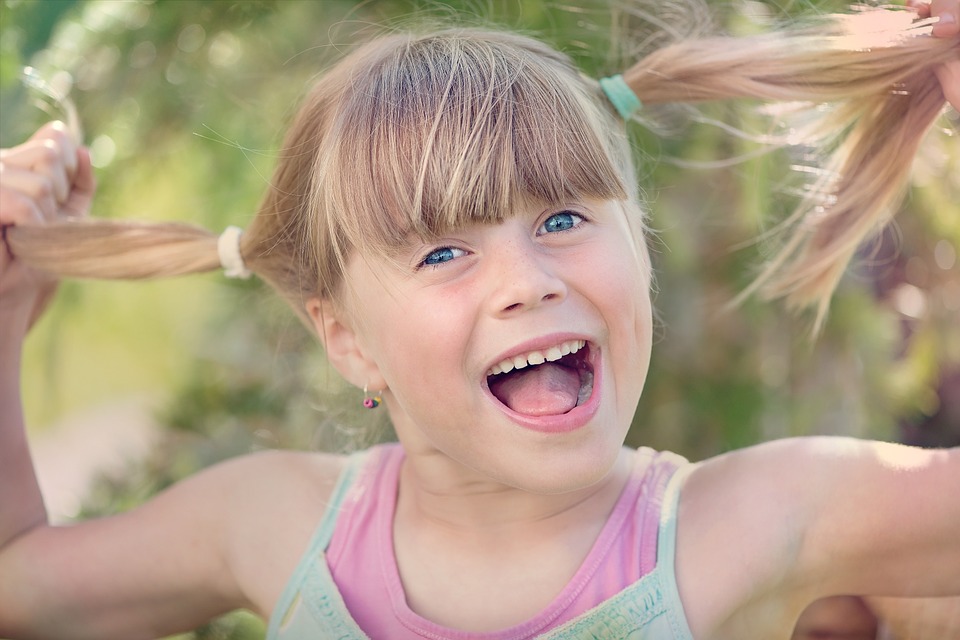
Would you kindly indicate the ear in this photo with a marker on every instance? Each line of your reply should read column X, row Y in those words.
column 344, row 349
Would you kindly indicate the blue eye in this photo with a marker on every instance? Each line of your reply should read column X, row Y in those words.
column 441, row 255
column 563, row 221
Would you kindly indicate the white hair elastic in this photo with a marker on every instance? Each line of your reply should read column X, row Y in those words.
column 228, row 248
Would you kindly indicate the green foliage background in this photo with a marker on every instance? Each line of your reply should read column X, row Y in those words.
column 184, row 103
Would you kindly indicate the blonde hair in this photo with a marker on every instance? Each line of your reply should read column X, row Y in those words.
column 872, row 92
column 423, row 133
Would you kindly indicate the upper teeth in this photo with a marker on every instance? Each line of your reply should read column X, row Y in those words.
column 537, row 357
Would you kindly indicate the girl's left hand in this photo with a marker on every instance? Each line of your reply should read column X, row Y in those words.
column 948, row 27
column 918, row 618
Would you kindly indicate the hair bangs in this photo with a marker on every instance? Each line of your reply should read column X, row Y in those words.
column 464, row 127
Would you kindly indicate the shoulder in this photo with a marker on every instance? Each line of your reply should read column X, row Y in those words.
column 273, row 502
column 740, row 523
column 251, row 486
column 266, row 472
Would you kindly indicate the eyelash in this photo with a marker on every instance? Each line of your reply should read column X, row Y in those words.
column 424, row 265
column 578, row 221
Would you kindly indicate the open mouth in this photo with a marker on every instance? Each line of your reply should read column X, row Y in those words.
column 544, row 383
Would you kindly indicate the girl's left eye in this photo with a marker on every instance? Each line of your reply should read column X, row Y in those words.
column 441, row 255
column 563, row 221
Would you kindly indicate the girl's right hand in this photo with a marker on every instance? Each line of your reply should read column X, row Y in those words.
column 948, row 26
column 46, row 178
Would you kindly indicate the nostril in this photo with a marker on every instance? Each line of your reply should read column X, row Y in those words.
column 513, row 306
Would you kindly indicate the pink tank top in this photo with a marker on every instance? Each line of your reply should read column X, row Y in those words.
column 363, row 566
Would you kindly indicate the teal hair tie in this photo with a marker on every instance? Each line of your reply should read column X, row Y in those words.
column 621, row 96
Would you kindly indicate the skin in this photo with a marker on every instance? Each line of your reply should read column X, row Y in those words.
column 948, row 26
column 471, row 473
column 787, row 541
column 507, row 285
column 837, row 618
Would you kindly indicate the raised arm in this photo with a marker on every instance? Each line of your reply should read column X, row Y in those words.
column 809, row 518
column 203, row 547
column 44, row 179
column 885, row 519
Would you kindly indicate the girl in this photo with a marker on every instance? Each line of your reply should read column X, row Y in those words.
column 456, row 217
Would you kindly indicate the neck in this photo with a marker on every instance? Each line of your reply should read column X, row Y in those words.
column 479, row 555
column 440, row 492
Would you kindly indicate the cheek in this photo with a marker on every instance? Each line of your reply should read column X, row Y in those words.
column 419, row 346
column 622, row 286
column 622, row 292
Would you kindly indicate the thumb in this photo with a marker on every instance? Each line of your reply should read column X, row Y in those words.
column 949, row 75
column 83, row 187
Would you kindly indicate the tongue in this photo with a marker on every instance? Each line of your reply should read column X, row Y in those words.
column 544, row 390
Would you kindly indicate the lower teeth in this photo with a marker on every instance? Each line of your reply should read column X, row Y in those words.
column 586, row 387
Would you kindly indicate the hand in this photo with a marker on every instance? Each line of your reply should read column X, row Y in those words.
column 949, row 26
column 836, row 618
column 44, row 179
column 918, row 618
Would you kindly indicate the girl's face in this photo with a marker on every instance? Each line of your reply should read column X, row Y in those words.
column 563, row 284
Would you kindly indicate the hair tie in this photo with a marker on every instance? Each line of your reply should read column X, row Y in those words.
column 621, row 96
column 228, row 248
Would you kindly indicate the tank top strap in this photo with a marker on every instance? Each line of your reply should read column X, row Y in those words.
column 667, row 552
column 649, row 609
column 288, row 614
column 321, row 537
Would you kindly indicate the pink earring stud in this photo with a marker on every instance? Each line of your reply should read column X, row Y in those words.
column 371, row 402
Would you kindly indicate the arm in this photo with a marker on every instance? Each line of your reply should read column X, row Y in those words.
column 808, row 518
column 885, row 520
column 855, row 618
column 156, row 570
column 41, row 180
column 49, row 576
column 201, row 548
column 207, row 545
column 918, row 618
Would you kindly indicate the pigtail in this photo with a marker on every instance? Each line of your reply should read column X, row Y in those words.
column 872, row 94
column 115, row 250
column 875, row 70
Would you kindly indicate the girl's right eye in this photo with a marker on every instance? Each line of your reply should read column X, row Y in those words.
column 441, row 255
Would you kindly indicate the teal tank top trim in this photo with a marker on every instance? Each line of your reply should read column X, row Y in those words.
column 649, row 609
column 311, row 587
column 311, row 607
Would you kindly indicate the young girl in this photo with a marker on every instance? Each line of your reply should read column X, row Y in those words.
column 455, row 214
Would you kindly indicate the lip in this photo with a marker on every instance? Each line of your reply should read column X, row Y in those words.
column 565, row 422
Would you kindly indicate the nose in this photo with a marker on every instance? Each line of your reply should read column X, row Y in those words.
column 524, row 278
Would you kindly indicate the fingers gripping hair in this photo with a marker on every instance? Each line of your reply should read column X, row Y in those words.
column 877, row 72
